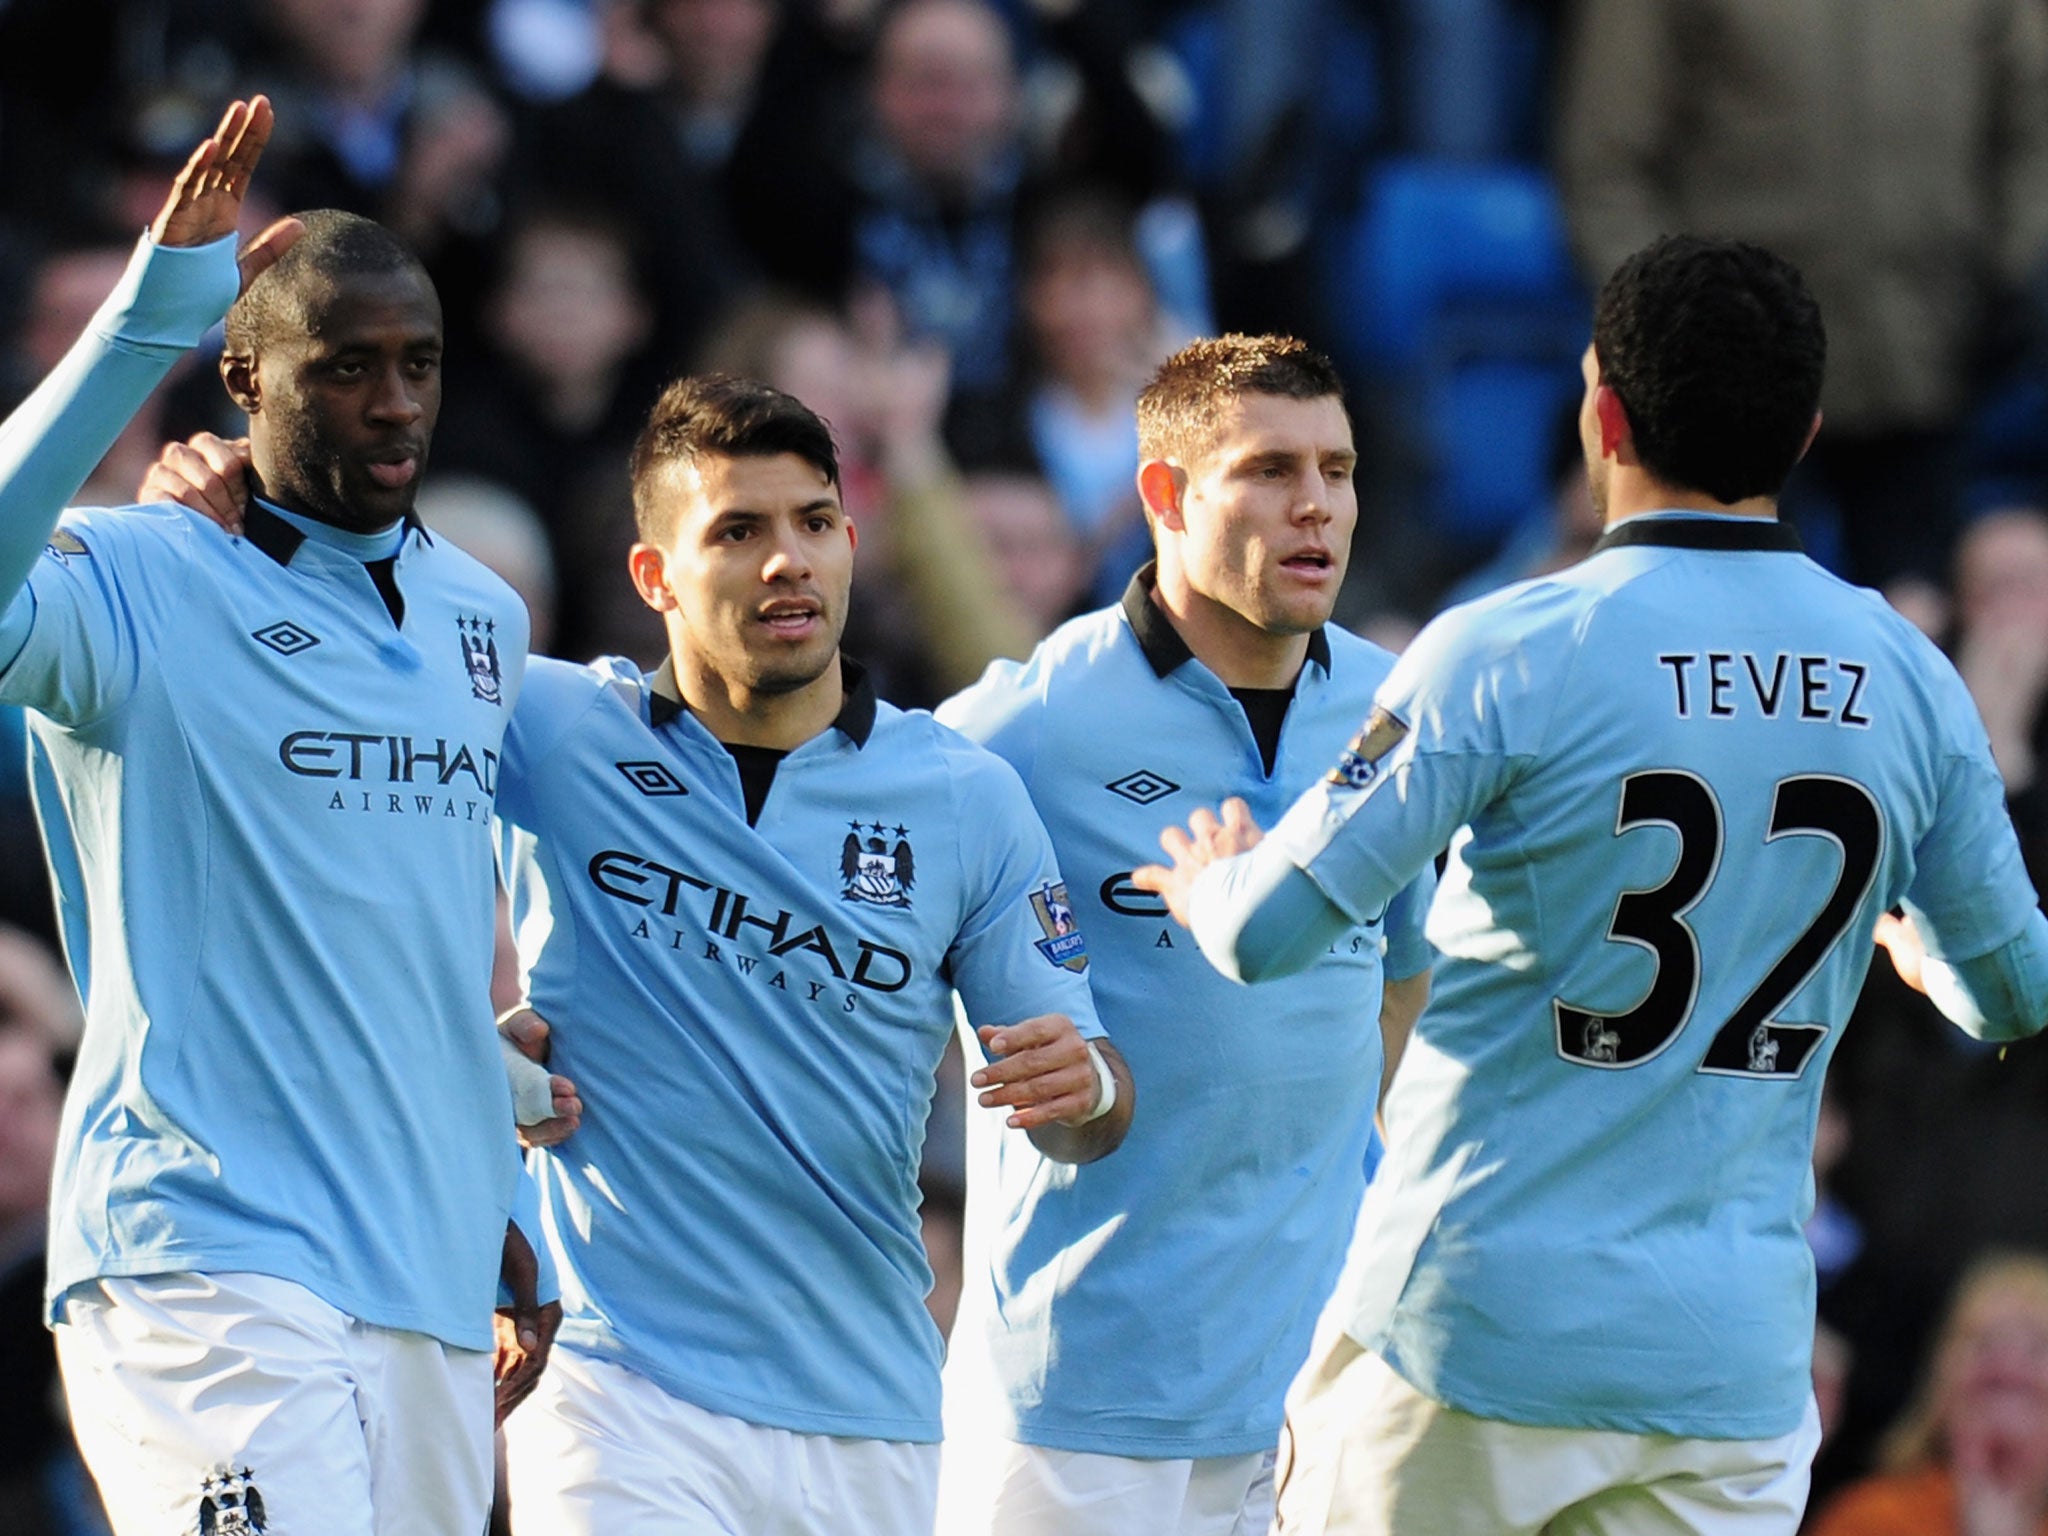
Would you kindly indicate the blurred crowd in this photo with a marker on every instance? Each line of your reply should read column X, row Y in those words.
column 965, row 231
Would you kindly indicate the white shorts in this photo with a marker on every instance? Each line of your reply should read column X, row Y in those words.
column 996, row 1487
column 1364, row 1454
column 599, row 1450
column 241, row 1391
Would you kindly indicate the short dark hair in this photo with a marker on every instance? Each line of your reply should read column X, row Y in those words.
column 1178, row 412
column 335, row 244
column 1716, row 350
column 719, row 413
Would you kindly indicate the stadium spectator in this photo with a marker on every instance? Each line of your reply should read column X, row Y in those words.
column 496, row 527
column 65, row 287
column 1931, row 1108
column 666, row 146
column 37, row 1462
column 1093, row 334
column 1588, row 735
column 2001, row 648
column 925, row 195
column 1897, row 154
column 1143, row 1391
column 1970, row 1458
column 300, row 1217
column 375, row 121
column 549, row 403
column 1039, row 560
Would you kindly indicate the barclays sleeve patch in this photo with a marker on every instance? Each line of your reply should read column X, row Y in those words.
column 63, row 545
column 1359, row 765
column 1063, row 944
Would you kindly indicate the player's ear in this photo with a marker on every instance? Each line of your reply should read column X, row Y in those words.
column 1160, row 487
column 1617, row 436
column 238, row 373
column 852, row 535
column 1811, row 433
column 649, row 569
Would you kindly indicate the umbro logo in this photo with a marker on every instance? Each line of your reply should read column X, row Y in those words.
column 652, row 778
column 285, row 638
column 1142, row 787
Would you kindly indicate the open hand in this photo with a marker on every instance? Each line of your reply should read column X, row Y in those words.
column 1206, row 840
column 205, row 201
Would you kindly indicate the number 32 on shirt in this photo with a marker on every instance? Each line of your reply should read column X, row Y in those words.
column 1750, row 1042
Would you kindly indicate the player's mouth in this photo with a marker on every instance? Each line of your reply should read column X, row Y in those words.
column 792, row 618
column 1311, row 565
column 395, row 469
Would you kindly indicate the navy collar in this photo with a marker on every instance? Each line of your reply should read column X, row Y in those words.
column 856, row 714
column 1162, row 644
column 280, row 540
column 1720, row 533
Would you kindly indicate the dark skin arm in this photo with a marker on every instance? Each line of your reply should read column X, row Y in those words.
column 525, row 1330
column 205, row 201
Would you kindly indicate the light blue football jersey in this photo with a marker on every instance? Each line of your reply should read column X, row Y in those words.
column 754, row 1017
column 1685, row 777
column 1157, row 1303
column 268, row 813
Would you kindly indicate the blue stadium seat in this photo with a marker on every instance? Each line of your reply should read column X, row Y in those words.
column 1346, row 94
column 1491, row 423
column 2005, row 443
column 1455, row 301
column 1444, row 242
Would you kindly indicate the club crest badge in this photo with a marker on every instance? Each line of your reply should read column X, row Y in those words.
column 230, row 1504
column 1063, row 944
column 1360, row 764
column 480, row 654
column 874, row 872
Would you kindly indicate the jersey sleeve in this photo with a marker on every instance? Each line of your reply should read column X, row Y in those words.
column 1019, row 951
column 67, row 636
column 526, row 1217
column 1970, row 892
column 553, row 697
column 1408, row 951
column 1450, row 728
column 1002, row 711
column 163, row 306
column 91, row 613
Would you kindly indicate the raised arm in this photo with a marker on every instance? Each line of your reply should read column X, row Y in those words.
column 183, row 278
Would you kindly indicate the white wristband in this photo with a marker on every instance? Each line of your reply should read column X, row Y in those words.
column 1105, row 1084
column 533, row 1093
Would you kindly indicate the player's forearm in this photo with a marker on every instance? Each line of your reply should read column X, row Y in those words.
column 163, row 306
column 1101, row 1136
column 1401, row 1004
column 1999, row 996
column 1258, row 915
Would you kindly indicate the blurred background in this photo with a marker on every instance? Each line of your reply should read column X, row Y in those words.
column 965, row 231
